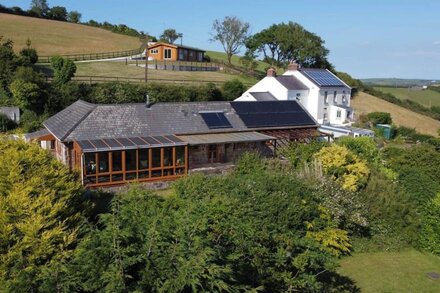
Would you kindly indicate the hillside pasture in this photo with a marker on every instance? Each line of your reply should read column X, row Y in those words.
column 426, row 97
column 364, row 103
column 50, row 37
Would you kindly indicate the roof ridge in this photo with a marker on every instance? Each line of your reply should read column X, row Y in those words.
column 68, row 132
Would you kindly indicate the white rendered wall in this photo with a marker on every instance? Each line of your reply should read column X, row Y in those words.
column 267, row 84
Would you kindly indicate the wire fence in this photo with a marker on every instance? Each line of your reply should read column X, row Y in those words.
column 93, row 56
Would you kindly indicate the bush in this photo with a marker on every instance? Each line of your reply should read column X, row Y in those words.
column 232, row 89
column 6, row 123
column 379, row 118
column 364, row 147
column 64, row 69
column 30, row 55
column 429, row 238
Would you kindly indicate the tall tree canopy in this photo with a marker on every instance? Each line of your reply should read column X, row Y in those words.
column 287, row 42
column 170, row 35
column 39, row 7
column 231, row 32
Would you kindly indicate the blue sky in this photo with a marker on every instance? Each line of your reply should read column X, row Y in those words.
column 369, row 38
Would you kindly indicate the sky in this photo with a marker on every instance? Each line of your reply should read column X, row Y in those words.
column 367, row 39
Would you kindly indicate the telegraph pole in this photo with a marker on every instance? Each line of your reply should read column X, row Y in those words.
column 146, row 60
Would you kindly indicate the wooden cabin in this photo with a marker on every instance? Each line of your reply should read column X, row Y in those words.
column 120, row 143
column 170, row 52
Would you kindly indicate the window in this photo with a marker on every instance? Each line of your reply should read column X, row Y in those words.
column 154, row 51
column 326, row 97
column 90, row 163
column 344, row 99
column 298, row 97
column 103, row 162
column 181, row 55
column 324, row 117
column 117, row 161
column 180, row 157
column 335, row 98
column 168, row 157
column 156, row 158
column 130, row 160
column 52, row 144
column 143, row 159
column 338, row 114
column 200, row 56
column 167, row 54
column 212, row 153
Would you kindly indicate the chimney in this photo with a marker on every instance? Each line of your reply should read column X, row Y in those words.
column 292, row 66
column 271, row 72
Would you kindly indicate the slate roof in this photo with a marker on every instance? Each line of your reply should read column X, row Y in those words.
column 290, row 82
column 263, row 96
column 85, row 121
column 62, row 124
column 36, row 134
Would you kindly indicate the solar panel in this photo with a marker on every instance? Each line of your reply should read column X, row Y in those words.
column 138, row 141
column 86, row 145
column 173, row 138
column 215, row 120
column 151, row 140
column 126, row 142
column 322, row 77
column 162, row 139
column 272, row 114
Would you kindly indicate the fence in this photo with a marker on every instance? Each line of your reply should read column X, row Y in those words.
column 99, row 79
column 93, row 56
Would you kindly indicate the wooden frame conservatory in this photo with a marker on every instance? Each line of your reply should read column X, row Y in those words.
column 105, row 162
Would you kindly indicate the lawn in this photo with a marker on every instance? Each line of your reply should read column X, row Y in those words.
column 364, row 103
column 50, row 37
column 120, row 69
column 426, row 98
column 404, row 271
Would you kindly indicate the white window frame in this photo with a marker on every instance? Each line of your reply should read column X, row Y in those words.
column 165, row 53
column 339, row 114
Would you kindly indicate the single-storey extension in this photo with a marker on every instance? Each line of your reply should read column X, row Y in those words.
column 119, row 143
column 170, row 52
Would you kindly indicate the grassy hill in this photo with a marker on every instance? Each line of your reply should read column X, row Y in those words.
column 426, row 98
column 52, row 37
column 365, row 103
column 398, row 82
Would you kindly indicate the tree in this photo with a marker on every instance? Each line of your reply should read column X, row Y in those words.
column 169, row 35
column 39, row 8
column 232, row 33
column 8, row 62
column 64, row 69
column 283, row 43
column 29, row 53
column 74, row 16
column 40, row 200
column 57, row 13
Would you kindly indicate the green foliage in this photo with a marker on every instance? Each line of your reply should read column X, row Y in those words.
column 26, row 94
column 64, row 69
column 344, row 166
column 233, row 89
column 169, row 36
column 286, row 42
column 8, row 62
column 39, row 8
column 379, row 118
column 74, row 16
column 231, row 32
column 363, row 147
column 430, row 230
column 300, row 153
column 57, row 13
column 39, row 219
column 243, row 231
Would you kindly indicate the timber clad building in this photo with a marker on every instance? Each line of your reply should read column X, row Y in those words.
column 163, row 51
column 115, row 144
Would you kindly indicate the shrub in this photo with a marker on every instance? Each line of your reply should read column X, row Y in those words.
column 430, row 231
column 233, row 89
column 379, row 118
column 64, row 69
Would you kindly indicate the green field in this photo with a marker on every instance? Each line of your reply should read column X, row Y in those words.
column 404, row 271
column 50, row 37
column 426, row 98
column 120, row 69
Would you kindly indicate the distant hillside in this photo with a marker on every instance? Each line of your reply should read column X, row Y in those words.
column 365, row 103
column 426, row 97
column 398, row 82
column 52, row 37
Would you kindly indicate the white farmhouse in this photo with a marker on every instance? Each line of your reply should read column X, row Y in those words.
column 320, row 92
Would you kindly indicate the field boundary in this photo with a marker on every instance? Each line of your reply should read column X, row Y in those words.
column 99, row 79
column 93, row 56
